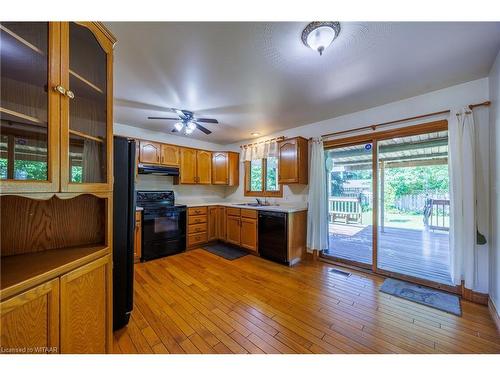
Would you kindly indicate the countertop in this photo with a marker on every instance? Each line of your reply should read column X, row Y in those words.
column 289, row 208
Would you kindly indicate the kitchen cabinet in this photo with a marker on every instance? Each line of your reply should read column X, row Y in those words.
column 138, row 236
column 195, row 167
column 225, row 168
column 188, row 172
column 169, row 155
column 149, row 152
column 29, row 112
column 30, row 320
column 213, row 223
column 221, row 223
column 86, row 308
column 86, row 102
column 241, row 228
column 204, row 167
column 197, row 226
column 293, row 161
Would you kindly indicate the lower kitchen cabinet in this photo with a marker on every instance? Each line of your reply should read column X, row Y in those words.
column 86, row 308
column 221, row 223
column 233, row 231
column 249, row 234
column 68, row 314
column 212, row 223
column 30, row 320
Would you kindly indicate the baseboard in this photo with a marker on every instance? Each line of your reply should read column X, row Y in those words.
column 472, row 296
column 494, row 313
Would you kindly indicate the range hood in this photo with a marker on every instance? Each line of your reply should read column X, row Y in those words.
column 157, row 169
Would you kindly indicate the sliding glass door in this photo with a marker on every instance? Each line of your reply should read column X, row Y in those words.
column 414, row 206
column 350, row 207
column 389, row 202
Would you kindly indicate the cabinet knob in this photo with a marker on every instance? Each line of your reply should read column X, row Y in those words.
column 70, row 94
column 60, row 89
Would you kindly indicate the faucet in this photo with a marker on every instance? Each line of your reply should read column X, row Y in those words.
column 259, row 202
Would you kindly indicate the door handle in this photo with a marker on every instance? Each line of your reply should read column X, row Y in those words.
column 70, row 94
column 61, row 90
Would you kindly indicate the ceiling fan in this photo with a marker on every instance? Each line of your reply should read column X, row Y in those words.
column 187, row 121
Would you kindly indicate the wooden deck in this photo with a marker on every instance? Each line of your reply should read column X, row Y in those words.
column 197, row 302
column 418, row 253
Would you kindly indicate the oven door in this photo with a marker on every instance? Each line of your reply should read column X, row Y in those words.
column 164, row 224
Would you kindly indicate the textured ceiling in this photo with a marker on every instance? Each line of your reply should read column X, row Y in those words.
column 260, row 77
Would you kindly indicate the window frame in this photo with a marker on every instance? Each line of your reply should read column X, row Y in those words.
column 263, row 192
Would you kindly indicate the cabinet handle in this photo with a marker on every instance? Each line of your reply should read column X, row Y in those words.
column 157, row 158
column 70, row 94
column 61, row 90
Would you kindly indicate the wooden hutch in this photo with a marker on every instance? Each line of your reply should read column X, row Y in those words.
column 56, row 187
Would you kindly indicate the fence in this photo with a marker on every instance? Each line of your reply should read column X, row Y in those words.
column 416, row 202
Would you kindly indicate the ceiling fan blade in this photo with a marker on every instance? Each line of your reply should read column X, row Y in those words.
column 203, row 129
column 180, row 113
column 208, row 120
column 163, row 118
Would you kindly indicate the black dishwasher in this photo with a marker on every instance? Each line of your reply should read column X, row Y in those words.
column 273, row 238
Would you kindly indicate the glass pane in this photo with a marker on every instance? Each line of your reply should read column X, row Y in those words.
column 24, row 100
column 88, row 109
column 272, row 174
column 414, row 203
column 350, row 203
column 256, row 175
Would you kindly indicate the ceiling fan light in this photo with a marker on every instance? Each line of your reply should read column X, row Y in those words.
column 178, row 126
column 188, row 130
column 191, row 126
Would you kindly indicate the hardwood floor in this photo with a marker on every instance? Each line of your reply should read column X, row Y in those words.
column 197, row 302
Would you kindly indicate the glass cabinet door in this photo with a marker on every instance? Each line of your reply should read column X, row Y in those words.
column 28, row 106
column 87, row 98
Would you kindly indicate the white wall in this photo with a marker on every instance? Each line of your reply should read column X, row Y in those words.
column 453, row 98
column 494, row 83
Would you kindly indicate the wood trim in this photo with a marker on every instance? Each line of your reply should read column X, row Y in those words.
column 262, row 193
column 494, row 313
column 428, row 127
column 473, row 296
column 375, row 126
column 20, row 115
column 86, row 81
column 83, row 135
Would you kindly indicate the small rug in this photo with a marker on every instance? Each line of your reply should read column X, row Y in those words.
column 425, row 296
column 226, row 251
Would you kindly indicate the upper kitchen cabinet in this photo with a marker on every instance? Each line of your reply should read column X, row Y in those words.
column 225, row 168
column 195, row 166
column 86, row 96
column 149, row 152
column 204, row 166
column 29, row 106
column 169, row 155
column 293, row 161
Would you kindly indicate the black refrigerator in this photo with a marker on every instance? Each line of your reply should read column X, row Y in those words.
column 123, row 230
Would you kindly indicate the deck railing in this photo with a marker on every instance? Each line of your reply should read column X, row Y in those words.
column 346, row 208
column 437, row 214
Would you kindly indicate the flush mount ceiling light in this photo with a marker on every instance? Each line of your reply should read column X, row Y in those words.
column 319, row 35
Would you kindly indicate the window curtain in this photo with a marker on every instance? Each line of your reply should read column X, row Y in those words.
column 259, row 151
column 317, row 210
column 462, row 170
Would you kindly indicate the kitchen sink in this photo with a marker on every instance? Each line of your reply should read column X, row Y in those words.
column 255, row 204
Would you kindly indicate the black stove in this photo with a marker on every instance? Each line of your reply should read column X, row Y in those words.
column 163, row 224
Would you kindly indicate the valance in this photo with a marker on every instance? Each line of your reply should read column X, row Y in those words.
column 259, row 151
